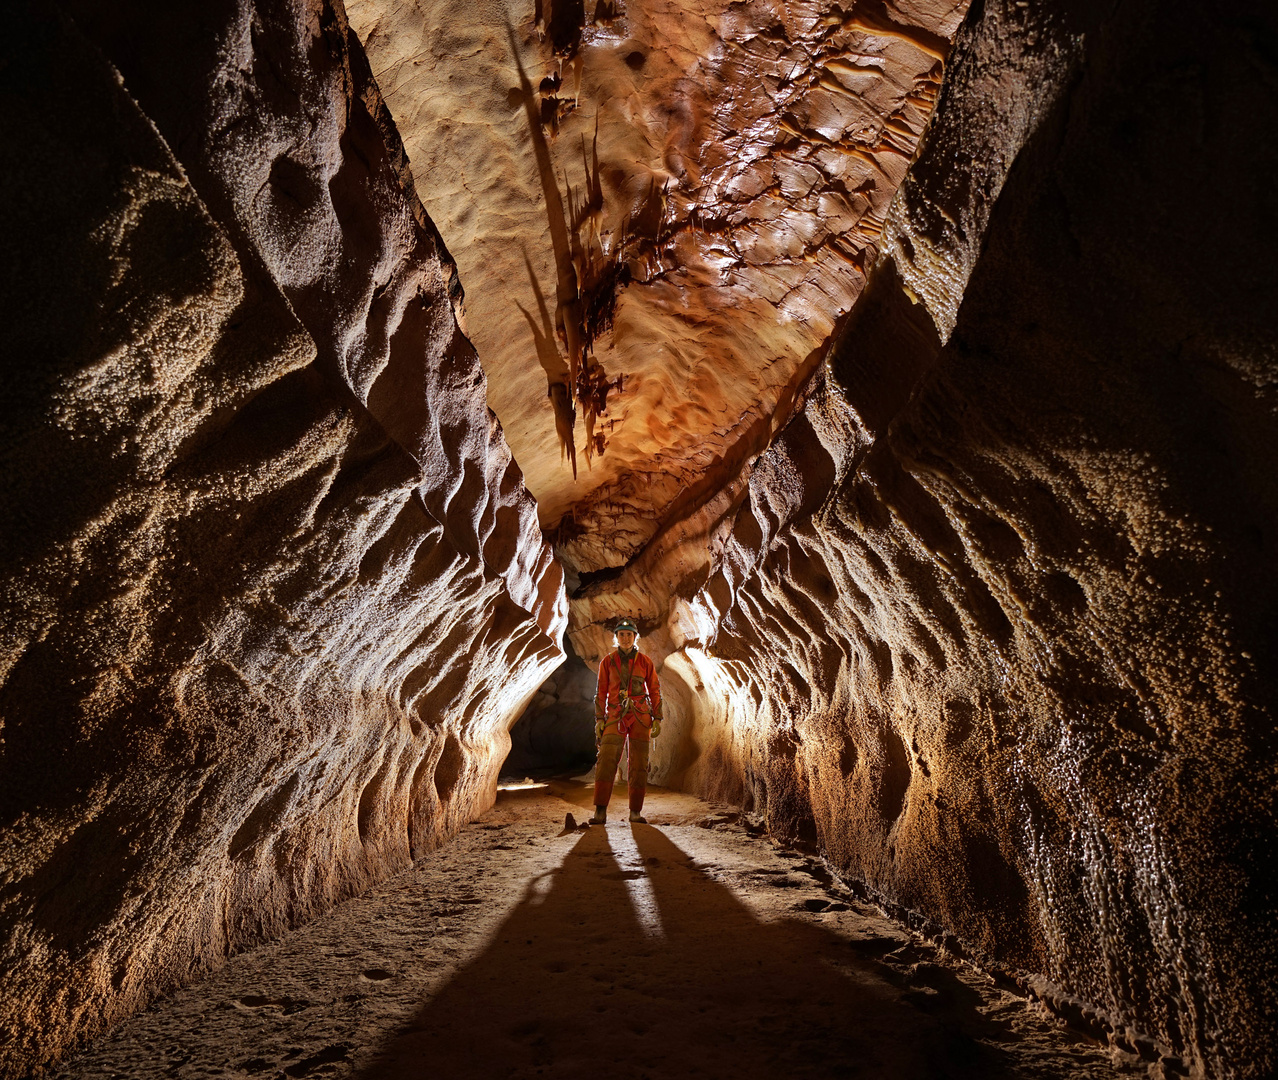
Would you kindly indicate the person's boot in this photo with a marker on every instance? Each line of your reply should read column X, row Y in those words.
column 601, row 816
column 636, row 803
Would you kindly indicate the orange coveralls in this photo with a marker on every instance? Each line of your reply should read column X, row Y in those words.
column 627, row 701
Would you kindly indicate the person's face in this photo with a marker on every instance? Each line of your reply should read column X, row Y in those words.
column 626, row 639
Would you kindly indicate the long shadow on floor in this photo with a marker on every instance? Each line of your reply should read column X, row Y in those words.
column 647, row 967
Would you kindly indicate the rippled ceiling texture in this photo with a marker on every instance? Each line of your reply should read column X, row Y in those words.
column 877, row 357
column 659, row 215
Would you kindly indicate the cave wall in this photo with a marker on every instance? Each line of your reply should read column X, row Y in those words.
column 995, row 625
column 990, row 620
column 271, row 587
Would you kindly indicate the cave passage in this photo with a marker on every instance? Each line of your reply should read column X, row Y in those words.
column 688, row 947
column 923, row 434
column 555, row 734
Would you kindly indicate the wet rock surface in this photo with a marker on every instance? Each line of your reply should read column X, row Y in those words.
column 686, row 947
column 272, row 588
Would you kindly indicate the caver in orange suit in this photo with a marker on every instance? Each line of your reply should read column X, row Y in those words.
column 627, row 712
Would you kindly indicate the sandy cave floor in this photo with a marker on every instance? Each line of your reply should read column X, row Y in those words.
column 686, row 947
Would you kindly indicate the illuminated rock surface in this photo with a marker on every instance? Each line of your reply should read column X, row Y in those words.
column 995, row 626
column 659, row 213
column 272, row 587
column 983, row 607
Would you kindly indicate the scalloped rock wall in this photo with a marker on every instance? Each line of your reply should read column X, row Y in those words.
column 984, row 607
column 660, row 212
column 272, row 589
column 995, row 625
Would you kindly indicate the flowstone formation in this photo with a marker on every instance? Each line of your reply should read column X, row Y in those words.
column 272, row 587
column 995, row 623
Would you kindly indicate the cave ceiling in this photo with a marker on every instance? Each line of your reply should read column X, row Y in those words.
column 659, row 213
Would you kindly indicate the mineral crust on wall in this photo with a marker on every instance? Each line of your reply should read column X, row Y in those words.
column 272, row 588
column 995, row 624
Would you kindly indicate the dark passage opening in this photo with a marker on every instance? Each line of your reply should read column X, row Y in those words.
column 556, row 733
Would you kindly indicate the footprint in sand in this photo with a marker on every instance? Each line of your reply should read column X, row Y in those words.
column 258, row 1002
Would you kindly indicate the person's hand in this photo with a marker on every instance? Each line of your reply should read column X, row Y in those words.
column 599, row 728
column 656, row 727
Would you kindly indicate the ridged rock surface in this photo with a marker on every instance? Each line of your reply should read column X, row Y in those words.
column 659, row 212
column 983, row 606
column 272, row 588
column 995, row 624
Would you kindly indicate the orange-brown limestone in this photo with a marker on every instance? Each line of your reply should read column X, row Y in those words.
column 272, row 589
column 659, row 214
column 994, row 625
